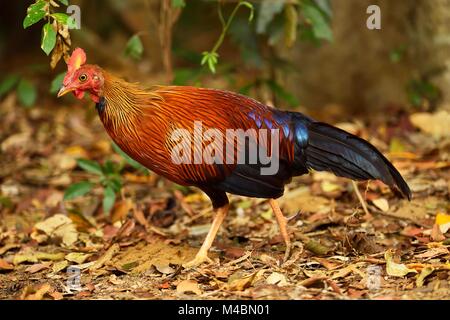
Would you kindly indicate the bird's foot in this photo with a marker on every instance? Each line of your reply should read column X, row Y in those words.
column 200, row 258
column 287, row 253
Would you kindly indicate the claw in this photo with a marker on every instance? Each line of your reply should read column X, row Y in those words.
column 198, row 260
column 287, row 253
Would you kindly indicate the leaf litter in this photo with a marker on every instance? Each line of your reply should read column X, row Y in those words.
column 395, row 250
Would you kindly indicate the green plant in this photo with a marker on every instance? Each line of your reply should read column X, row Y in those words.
column 134, row 48
column 25, row 89
column 210, row 58
column 423, row 93
column 106, row 176
column 55, row 37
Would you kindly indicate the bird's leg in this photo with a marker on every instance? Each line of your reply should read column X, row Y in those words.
column 282, row 223
column 202, row 254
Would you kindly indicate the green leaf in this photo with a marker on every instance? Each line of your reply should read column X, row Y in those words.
column 61, row 17
column 114, row 183
column 90, row 166
column 26, row 92
column 134, row 48
column 324, row 6
column 64, row 2
column 35, row 13
column 178, row 3
column 109, row 198
column 128, row 159
column 57, row 83
column 268, row 10
column 8, row 84
column 109, row 167
column 77, row 190
column 319, row 23
column 48, row 38
column 210, row 58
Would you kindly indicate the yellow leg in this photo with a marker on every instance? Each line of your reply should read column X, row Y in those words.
column 202, row 254
column 282, row 223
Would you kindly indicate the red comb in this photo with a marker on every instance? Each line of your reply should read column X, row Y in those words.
column 76, row 60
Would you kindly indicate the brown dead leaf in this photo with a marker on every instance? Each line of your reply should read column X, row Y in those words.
column 8, row 247
column 278, row 279
column 32, row 256
column 56, row 295
column 310, row 281
column 138, row 214
column 187, row 286
column 423, row 274
column 38, row 294
column 38, row 267
column 77, row 257
column 435, row 124
column 432, row 253
column 107, row 256
column 343, row 272
column 59, row 226
column 382, row 204
column 80, row 221
column 395, row 269
column 186, row 207
column 121, row 209
column 4, row 265
column 327, row 263
column 60, row 265
column 436, row 234
column 302, row 198
column 239, row 282
column 164, row 268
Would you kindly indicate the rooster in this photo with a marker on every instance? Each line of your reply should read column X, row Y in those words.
column 146, row 124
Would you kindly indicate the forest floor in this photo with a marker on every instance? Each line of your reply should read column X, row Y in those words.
column 55, row 249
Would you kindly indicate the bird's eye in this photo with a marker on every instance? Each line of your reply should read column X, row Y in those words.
column 82, row 77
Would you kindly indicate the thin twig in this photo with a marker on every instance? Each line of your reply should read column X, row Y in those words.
column 361, row 199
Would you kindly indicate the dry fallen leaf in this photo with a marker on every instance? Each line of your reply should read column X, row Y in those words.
column 60, row 265
column 38, row 294
column 77, row 257
column 436, row 234
column 38, row 267
column 32, row 256
column 381, row 204
column 277, row 278
column 395, row 269
column 186, row 286
column 302, row 198
column 59, row 226
column 121, row 209
column 435, row 124
column 239, row 282
column 4, row 265
column 107, row 256
column 423, row 274
column 443, row 221
column 164, row 268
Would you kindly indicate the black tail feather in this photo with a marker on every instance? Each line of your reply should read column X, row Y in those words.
column 332, row 149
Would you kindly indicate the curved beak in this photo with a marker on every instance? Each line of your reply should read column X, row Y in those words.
column 64, row 90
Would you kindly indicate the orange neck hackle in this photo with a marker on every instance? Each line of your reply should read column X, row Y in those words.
column 125, row 102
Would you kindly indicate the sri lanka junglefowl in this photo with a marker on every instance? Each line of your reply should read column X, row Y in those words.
column 222, row 142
